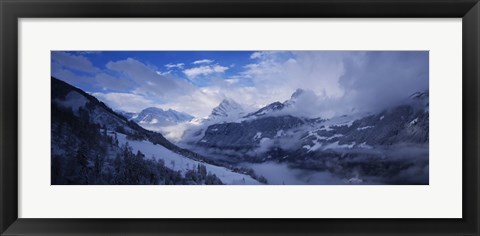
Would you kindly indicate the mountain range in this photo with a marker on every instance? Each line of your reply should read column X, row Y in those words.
column 387, row 146
column 92, row 144
column 394, row 139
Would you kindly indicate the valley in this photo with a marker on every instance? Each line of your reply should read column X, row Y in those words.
column 273, row 145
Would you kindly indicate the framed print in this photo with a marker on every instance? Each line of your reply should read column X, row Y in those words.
column 255, row 118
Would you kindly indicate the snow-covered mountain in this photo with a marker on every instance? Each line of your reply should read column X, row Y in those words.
column 407, row 122
column 276, row 107
column 228, row 109
column 272, row 107
column 92, row 144
column 170, row 123
column 354, row 142
column 160, row 117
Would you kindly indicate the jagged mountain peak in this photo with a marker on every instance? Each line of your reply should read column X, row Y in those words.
column 227, row 108
column 275, row 106
column 229, row 102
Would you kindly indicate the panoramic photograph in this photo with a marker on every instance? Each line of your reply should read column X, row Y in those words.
column 239, row 117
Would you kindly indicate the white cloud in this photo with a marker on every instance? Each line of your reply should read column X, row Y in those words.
column 377, row 79
column 89, row 52
column 275, row 77
column 108, row 82
column 339, row 80
column 203, row 61
column 265, row 54
column 200, row 102
column 147, row 80
column 204, row 70
column 256, row 55
column 75, row 62
column 125, row 101
column 68, row 76
column 232, row 81
column 100, row 80
column 178, row 65
column 278, row 75
column 163, row 73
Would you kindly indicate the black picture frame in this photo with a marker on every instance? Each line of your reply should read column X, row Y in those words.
column 12, row 10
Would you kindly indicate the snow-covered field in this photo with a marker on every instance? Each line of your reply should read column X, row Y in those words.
column 180, row 163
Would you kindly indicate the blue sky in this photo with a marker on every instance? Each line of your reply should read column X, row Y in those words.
column 196, row 81
column 176, row 63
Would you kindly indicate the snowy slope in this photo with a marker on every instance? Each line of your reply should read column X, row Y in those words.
column 180, row 163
